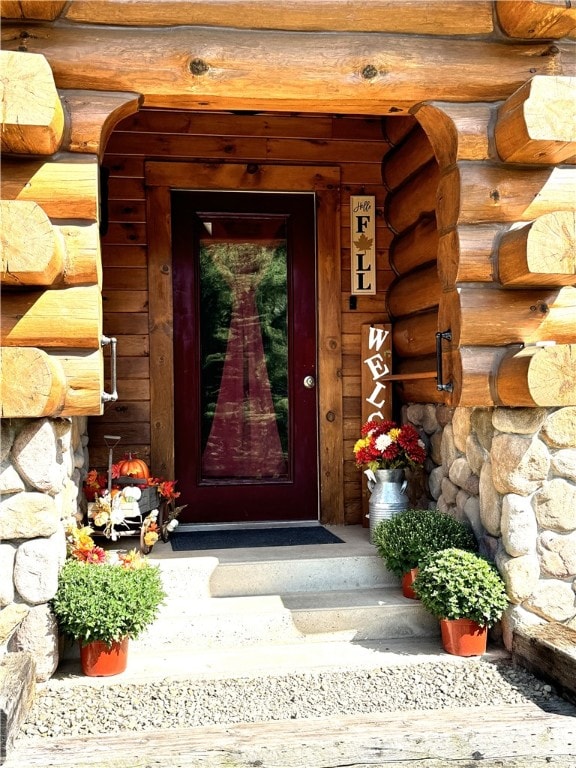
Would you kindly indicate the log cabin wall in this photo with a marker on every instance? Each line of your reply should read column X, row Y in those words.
column 491, row 84
column 476, row 110
column 51, row 331
column 356, row 145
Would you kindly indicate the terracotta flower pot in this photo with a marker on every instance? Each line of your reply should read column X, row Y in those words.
column 462, row 637
column 407, row 582
column 98, row 660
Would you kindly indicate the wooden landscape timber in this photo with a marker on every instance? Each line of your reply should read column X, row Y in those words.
column 494, row 235
column 549, row 650
column 521, row 19
column 330, row 72
column 396, row 130
column 509, row 352
column 515, row 736
column 32, row 115
column 544, row 132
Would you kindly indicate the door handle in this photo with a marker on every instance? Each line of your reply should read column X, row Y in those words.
column 309, row 382
column 110, row 397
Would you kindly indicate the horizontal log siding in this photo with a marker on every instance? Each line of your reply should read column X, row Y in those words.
column 357, row 145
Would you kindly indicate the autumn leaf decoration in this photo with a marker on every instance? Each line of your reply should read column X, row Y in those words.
column 363, row 243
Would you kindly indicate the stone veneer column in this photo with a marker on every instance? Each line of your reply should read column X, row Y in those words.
column 40, row 463
column 511, row 474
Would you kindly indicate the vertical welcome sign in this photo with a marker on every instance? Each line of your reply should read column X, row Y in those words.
column 376, row 345
column 363, row 244
column 376, row 348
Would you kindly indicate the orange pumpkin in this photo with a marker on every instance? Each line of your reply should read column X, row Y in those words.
column 132, row 466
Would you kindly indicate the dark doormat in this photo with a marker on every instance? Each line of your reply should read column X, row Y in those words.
column 253, row 537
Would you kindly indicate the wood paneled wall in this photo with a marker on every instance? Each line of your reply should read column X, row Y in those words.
column 357, row 144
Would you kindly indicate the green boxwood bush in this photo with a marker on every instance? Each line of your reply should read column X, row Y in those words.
column 106, row 602
column 405, row 539
column 455, row 584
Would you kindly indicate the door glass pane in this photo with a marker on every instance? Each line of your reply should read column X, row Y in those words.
column 244, row 348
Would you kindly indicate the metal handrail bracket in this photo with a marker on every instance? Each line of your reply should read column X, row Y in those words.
column 441, row 385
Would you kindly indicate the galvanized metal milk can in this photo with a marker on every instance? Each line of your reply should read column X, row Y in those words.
column 387, row 495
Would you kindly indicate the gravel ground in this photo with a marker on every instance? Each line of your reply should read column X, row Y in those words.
column 85, row 709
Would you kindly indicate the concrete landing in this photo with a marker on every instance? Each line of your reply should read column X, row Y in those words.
column 269, row 660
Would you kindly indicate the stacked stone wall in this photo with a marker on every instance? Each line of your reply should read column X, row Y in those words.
column 40, row 474
column 511, row 474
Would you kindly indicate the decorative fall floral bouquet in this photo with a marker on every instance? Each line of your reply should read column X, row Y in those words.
column 158, row 525
column 113, row 511
column 81, row 546
column 117, row 512
column 385, row 445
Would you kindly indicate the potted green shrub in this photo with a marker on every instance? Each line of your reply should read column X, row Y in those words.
column 467, row 594
column 405, row 539
column 103, row 604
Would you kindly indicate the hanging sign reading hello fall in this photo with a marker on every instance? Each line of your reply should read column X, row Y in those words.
column 363, row 244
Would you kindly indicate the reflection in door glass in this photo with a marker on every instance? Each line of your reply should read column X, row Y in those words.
column 244, row 348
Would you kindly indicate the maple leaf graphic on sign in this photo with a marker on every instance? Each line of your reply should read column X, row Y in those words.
column 363, row 243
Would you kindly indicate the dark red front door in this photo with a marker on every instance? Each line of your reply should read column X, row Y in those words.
column 245, row 356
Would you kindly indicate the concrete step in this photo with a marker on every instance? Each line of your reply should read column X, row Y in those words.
column 271, row 660
column 287, row 575
column 209, row 577
column 268, row 596
column 361, row 614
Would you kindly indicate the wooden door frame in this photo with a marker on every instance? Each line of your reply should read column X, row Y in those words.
column 162, row 176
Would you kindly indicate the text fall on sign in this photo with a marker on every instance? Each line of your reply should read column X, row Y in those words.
column 363, row 244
